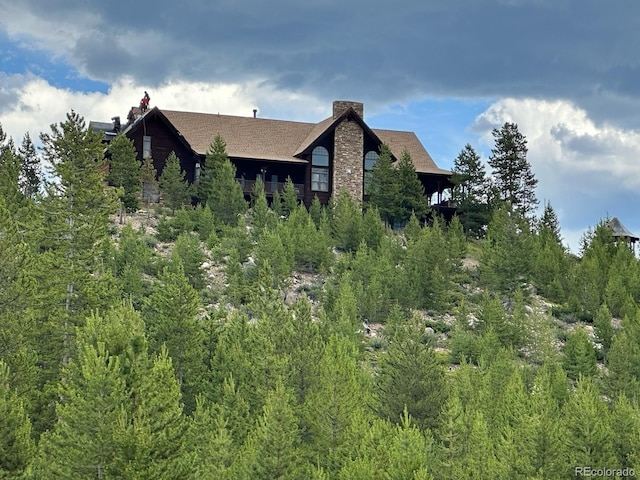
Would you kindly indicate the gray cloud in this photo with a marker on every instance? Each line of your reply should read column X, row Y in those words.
column 583, row 51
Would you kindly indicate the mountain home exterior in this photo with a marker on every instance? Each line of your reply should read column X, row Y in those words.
column 322, row 158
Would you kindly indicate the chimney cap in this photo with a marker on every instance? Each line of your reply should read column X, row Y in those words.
column 255, row 111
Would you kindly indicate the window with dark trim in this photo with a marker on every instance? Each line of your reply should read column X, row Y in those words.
column 146, row 146
column 320, row 170
column 370, row 160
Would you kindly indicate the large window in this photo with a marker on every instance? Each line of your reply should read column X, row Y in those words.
column 320, row 170
column 370, row 160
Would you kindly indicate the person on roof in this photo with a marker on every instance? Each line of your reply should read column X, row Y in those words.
column 144, row 103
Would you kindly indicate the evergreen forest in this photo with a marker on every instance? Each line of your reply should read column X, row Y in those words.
column 225, row 339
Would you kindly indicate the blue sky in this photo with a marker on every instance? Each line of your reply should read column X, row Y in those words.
column 567, row 71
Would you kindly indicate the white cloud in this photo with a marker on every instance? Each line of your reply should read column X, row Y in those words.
column 583, row 168
column 37, row 104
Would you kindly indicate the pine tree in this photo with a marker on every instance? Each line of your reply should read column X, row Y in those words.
column 209, row 442
column 411, row 195
column 76, row 212
column 17, row 448
column 90, row 437
column 174, row 187
column 428, row 267
column 625, row 422
column 170, row 314
column 579, row 355
column 315, row 210
column 512, row 172
column 220, row 189
column 452, row 437
column 411, row 380
column 470, row 191
column 589, row 439
column 30, row 168
column 346, row 222
column 384, row 188
column 159, row 423
column 305, row 350
column 334, row 403
column 261, row 216
column 507, row 251
column 215, row 157
column 9, row 172
column 149, row 181
column 623, row 360
column 550, row 265
column 289, row 197
column 603, row 329
column 548, row 432
column 410, row 453
column 124, row 171
column 274, row 445
column 188, row 252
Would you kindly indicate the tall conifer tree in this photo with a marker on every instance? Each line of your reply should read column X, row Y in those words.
column 124, row 171
column 77, row 210
column 514, row 178
column 470, row 191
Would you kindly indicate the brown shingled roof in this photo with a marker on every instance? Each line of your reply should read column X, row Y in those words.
column 619, row 230
column 280, row 140
column 397, row 141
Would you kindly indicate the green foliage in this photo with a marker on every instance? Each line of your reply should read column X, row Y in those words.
column 218, row 186
column 384, row 188
column 308, row 244
column 273, row 448
column 214, row 159
column 124, row 171
column 9, row 171
column 30, row 178
column 623, row 359
column 17, row 448
column 579, row 355
column 603, row 328
column 261, row 216
column 188, row 252
column 507, row 252
column 76, row 213
column 429, row 269
column 396, row 191
column 411, row 380
column 149, row 181
column 334, row 403
column 589, row 438
column 412, row 199
column 346, row 222
column 175, row 189
column 209, row 443
column 470, row 192
column 289, row 197
column 515, row 180
column 590, row 276
column 170, row 314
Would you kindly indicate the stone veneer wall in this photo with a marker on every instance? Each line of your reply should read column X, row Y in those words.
column 348, row 154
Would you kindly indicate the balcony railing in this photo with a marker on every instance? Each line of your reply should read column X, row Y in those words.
column 270, row 187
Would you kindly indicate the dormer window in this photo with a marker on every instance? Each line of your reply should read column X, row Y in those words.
column 320, row 169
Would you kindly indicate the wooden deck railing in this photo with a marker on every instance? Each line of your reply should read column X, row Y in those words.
column 269, row 187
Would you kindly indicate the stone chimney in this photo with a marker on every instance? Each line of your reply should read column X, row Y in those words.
column 339, row 106
column 348, row 152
